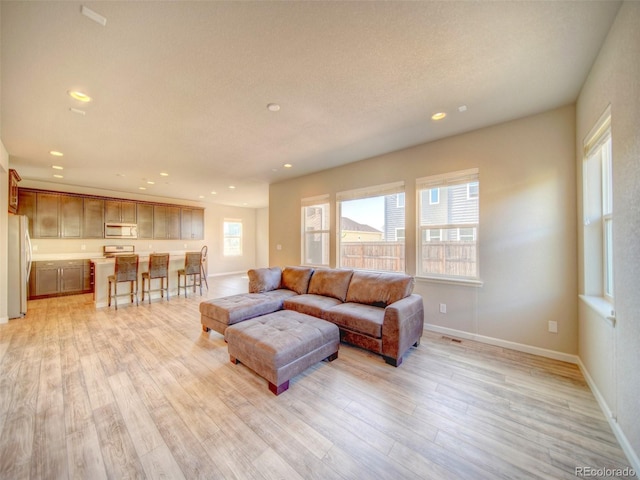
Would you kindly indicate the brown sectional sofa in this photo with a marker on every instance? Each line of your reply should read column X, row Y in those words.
column 375, row 311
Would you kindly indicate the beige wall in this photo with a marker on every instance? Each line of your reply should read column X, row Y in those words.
column 4, row 205
column 611, row 356
column 262, row 237
column 527, row 227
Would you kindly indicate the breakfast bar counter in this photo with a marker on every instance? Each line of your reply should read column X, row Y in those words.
column 106, row 266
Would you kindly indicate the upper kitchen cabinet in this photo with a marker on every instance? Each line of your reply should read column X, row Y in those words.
column 47, row 219
column 192, row 223
column 118, row 211
column 145, row 220
column 71, row 214
column 14, row 179
column 166, row 222
column 93, row 221
column 27, row 206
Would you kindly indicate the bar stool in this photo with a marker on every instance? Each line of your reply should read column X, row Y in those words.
column 126, row 270
column 192, row 267
column 158, row 268
column 205, row 265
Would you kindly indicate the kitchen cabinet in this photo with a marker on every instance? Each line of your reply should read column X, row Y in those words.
column 93, row 218
column 47, row 221
column 192, row 223
column 14, row 179
column 145, row 220
column 27, row 206
column 71, row 214
column 119, row 211
column 166, row 222
column 59, row 277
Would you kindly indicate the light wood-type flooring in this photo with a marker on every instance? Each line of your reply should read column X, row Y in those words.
column 144, row 393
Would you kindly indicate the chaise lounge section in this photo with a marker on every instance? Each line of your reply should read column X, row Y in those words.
column 374, row 311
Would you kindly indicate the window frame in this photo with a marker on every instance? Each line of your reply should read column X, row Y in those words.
column 384, row 190
column 424, row 228
column 322, row 202
column 226, row 236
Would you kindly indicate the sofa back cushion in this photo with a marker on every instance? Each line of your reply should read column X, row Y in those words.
column 264, row 279
column 330, row 283
column 296, row 279
column 379, row 289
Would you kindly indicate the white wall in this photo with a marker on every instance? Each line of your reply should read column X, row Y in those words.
column 4, row 205
column 527, row 231
column 611, row 356
column 262, row 237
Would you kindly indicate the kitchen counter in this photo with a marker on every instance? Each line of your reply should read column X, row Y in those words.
column 106, row 266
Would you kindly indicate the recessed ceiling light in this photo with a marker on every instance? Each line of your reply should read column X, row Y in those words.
column 287, row 165
column 151, row 182
column 56, row 153
column 200, row 196
column 164, row 174
column 78, row 111
column 58, row 176
column 438, row 116
column 142, row 188
column 120, row 175
column 96, row 17
column 462, row 108
column 214, row 193
column 57, row 167
column 80, row 96
column 273, row 107
column 232, row 187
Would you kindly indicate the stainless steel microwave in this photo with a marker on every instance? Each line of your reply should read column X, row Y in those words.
column 120, row 230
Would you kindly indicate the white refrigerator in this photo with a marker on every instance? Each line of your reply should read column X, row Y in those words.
column 19, row 264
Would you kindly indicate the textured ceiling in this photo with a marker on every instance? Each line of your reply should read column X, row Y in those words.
column 182, row 87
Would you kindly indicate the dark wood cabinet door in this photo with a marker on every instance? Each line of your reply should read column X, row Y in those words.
column 117, row 211
column 47, row 223
column 173, row 223
column 128, row 212
column 93, row 221
column 71, row 216
column 71, row 276
column 159, row 221
column 192, row 223
column 145, row 220
column 27, row 206
column 46, row 278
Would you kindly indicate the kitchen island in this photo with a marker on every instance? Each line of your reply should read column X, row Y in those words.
column 106, row 266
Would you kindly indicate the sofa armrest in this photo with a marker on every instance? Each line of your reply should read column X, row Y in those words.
column 402, row 326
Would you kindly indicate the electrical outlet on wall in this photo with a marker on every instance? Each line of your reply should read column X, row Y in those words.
column 443, row 308
column 553, row 327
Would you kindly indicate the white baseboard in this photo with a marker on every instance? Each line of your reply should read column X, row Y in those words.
column 632, row 456
column 4, row 320
column 226, row 273
column 520, row 347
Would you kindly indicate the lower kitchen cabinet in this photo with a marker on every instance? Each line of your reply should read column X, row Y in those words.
column 59, row 277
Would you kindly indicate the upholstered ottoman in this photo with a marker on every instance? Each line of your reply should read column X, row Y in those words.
column 219, row 313
column 280, row 345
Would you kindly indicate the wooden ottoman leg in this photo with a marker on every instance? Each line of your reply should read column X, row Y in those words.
column 277, row 390
column 233, row 360
column 205, row 328
column 332, row 357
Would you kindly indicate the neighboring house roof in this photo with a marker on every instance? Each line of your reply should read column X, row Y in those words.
column 353, row 226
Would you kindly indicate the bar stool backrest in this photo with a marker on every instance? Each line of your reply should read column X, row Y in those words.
column 158, row 265
column 126, row 268
column 192, row 261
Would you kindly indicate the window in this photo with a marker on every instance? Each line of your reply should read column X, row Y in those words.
column 598, row 210
column 315, row 231
column 232, row 231
column 434, row 196
column 371, row 228
column 448, row 229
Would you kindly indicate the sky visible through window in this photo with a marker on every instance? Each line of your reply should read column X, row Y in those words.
column 368, row 211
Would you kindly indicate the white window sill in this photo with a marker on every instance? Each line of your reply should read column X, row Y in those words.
column 465, row 282
column 601, row 306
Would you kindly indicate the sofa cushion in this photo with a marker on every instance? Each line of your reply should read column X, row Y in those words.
column 264, row 279
column 330, row 283
column 310, row 304
column 364, row 319
column 379, row 289
column 296, row 279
